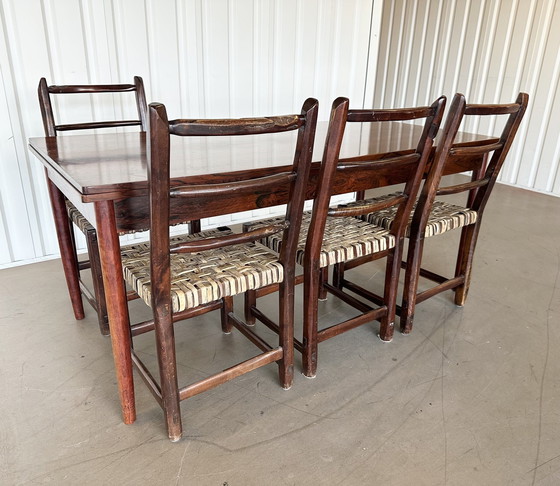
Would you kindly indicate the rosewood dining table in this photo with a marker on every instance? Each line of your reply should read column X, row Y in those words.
column 105, row 177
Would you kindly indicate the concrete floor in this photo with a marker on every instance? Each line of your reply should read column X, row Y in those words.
column 471, row 397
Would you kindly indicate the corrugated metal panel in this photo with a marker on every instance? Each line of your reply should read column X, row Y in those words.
column 202, row 59
column 489, row 50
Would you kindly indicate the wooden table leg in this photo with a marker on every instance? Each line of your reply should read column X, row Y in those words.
column 117, row 308
column 67, row 253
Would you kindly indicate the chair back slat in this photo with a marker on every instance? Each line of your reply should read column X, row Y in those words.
column 236, row 187
column 377, row 163
column 52, row 128
column 95, row 125
column 457, row 188
column 366, row 208
column 485, row 176
column 332, row 167
column 228, row 240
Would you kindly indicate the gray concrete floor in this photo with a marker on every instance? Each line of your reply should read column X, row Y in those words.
column 471, row 397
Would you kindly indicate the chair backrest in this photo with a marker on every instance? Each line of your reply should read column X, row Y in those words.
column 413, row 162
column 293, row 182
column 50, row 126
column 449, row 152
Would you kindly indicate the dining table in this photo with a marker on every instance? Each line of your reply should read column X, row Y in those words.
column 105, row 176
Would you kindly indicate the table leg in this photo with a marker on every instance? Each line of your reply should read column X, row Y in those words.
column 117, row 307
column 66, row 245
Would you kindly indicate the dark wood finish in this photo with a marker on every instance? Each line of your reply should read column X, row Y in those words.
column 336, row 173
column 112, row 168
column 67, row 248
column 161, row 193
column 489, row 156
column 479, row 191
column 75, row 284
column 110, row 255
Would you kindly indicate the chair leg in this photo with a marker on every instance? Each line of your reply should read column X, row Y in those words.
column 412, row 274
column 392, row 271
column 227, row 307
column 250, row 301
column 194, row 226
column 286, row 332
column 97, row 278
column 338, row 275
column 310, row 322
column 165, row 340
column 68, row 255
column 324, row 277
column 469, row 236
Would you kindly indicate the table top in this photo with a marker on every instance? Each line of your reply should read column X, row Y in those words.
column 106, row 163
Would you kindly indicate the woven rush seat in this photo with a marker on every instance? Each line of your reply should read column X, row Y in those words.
column 443, row 216
column 203, row 277
column 82, row 223
column 344, row 239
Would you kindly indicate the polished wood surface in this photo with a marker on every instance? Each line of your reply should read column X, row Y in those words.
column 110, row 171
column 76, row 285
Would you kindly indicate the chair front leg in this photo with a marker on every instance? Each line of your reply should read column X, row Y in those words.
column 165, row 340
column 226, row 309
column 338, row 275
column 250, row 299
column 324, row 277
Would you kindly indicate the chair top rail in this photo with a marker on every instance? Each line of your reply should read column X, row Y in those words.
column 243, row 126
column 393, row 114
column 91, row 88
column 505, row 109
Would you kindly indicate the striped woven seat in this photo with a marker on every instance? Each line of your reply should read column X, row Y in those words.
column 344, row 239
column 443, row 217
column 84, row 225
column 78, row 218
column 204, row 277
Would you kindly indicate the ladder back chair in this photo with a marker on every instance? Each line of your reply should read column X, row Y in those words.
column 433, row 216
column 185, row 276
column 331, row 235
column 97, row 298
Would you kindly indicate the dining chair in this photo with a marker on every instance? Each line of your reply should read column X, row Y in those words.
column 185, row 276
column 97, row 298
column 331, row 235
column 432, row 217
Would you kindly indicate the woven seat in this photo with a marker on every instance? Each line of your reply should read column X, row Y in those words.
column 187, row 276
column 344, row 239
column 204, row 277
column 443, row 216
column 76, row 286
column 432, row 217
column 332, row 236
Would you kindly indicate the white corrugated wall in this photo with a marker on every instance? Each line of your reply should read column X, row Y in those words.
column 201, row 58
column 489, row 50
